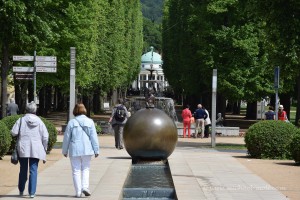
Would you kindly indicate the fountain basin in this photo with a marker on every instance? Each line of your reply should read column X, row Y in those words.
column 149, row 180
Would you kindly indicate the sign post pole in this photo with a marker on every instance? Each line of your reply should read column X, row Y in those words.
column 72, row 81
column 34, row 78
column 276, row 87
column 213, row 109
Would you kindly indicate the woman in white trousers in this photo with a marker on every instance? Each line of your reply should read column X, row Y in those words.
column 81, row 142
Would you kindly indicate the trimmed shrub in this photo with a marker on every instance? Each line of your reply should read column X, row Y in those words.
column 9, row 121
column 5, row 139
column 98, row 129
column 270, row 139
column 52, row 134
column 295, row 148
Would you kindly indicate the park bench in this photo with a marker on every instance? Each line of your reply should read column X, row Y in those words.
column 220, row 130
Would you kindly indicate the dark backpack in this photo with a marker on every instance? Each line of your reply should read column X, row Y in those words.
column 120, row 114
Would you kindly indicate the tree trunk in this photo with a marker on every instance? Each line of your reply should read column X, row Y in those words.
column 285, row 100
column 251, row 110
column 96, row 101
column 30, row 91
column 4, row 69
column 236, row 108
column 41, row 110
column 86, row 102
column 298, row 100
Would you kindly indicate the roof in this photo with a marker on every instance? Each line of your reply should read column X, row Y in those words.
column 151, row 57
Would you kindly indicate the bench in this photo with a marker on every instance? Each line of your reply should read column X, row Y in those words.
column 227, row 131
column 220, row 130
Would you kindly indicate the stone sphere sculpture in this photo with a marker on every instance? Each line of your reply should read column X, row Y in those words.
column 150, row 134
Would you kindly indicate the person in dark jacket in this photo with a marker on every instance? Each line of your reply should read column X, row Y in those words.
column 200, row 115
column 118, row 125
column 12, row 108
column 270, row 115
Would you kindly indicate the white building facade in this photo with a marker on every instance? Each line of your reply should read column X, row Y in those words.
column 151, row 73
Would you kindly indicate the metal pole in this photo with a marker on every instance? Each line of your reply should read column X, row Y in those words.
column 72, row 81
column 276, row 104
column 276, row 87
column 34, row 77
column 213, row 110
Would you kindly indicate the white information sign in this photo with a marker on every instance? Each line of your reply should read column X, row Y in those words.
column 46, row 58
column 46, row 69
column 45, row 64
column 22, row 58
column 22, row 69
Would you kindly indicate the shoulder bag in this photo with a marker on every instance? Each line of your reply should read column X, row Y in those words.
column 14, row 156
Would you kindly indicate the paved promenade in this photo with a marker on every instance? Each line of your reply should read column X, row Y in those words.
column 198, row 173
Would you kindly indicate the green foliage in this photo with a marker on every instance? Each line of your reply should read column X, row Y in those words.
column 152, row 10
column 5, row 139
column 52, row 134
column 98, row 129
column 239, row 38
column 270, row 139
column 295, row 148
column 11, row 120
column 107, row 36
column 152, row 34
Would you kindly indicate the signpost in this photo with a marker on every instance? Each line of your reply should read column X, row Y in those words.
column 22, row 69
column 45, row 64
column 72, row 81
column 23, row 58
column 41, row 64
column 24, row 76
column 214, row 108
column 276, row 87
column 46, row 58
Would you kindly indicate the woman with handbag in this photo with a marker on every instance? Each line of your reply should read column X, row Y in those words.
column 32, row 146
column 81, row 142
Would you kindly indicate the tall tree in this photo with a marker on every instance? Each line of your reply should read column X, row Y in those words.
column 25, row 27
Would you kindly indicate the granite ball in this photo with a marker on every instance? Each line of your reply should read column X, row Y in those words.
column 150, row 134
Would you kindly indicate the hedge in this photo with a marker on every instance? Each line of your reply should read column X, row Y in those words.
column 11, row 120
column 270, row 139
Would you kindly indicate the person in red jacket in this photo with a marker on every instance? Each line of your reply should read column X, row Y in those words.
column 282, row 114
column 186, row 116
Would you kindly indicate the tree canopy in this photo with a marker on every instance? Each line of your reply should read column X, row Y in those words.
column 243, row 40
column 107, row 36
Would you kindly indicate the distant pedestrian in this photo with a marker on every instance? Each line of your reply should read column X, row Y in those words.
column 32, row 147
column 270, row 114
column 81, row 142
column 199, row 115
column 12, row 108
column 207, row 123
column 118, row 119
column 282, row 114
column 219, row 120
column 186, row 116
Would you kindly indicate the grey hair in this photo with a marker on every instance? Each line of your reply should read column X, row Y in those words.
column 12, row 100
column 31, row 107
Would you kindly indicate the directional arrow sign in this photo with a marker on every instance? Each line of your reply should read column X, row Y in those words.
column 22, row 58
column 24, row 76
column 46, row 69
column 46, row 58
column 45, row 64
column 22, row 69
